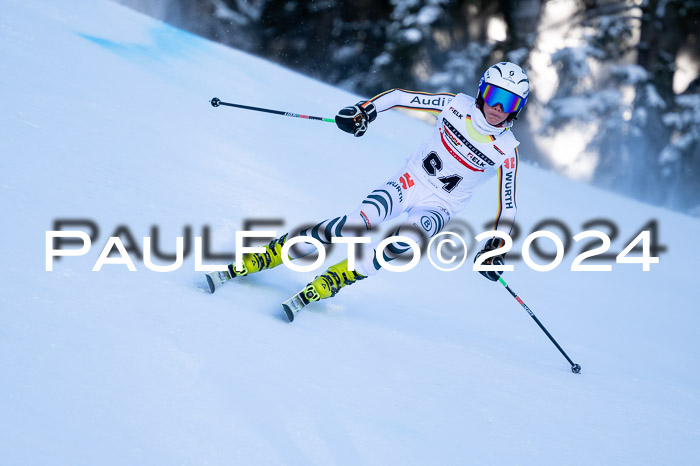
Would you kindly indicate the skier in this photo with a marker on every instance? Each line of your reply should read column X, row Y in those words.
column 471, row 143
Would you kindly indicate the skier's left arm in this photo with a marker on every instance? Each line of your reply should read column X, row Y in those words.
column 507, row 208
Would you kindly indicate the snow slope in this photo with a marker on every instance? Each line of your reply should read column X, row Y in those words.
column 105, row 116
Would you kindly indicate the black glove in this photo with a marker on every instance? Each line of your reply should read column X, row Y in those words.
column 493, row 243
column 356, row 118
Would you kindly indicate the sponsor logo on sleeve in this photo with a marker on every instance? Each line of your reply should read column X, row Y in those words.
column 508, row 192
column 436, row 101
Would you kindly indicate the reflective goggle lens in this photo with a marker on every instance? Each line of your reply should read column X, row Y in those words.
column 495, row 95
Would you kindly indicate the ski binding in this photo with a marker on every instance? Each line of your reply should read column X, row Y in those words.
column 299, row 301
column 217, row 278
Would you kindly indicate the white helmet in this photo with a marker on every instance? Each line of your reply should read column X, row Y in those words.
column 506, row 84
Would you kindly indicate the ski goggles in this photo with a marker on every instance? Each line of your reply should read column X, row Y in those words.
column 494, row 95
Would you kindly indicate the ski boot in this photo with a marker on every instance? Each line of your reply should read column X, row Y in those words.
column 324, row 286
column 252, row 263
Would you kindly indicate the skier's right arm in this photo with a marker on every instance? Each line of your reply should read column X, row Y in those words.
column 355, row 118
column 423, row 101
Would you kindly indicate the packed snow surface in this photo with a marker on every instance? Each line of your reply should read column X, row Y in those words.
column 106, row 117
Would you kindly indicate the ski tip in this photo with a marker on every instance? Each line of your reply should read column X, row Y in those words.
column 289, row 312
column 210, row 282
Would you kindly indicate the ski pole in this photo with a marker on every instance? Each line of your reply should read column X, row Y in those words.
column 215, row 102
column 575, row 368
